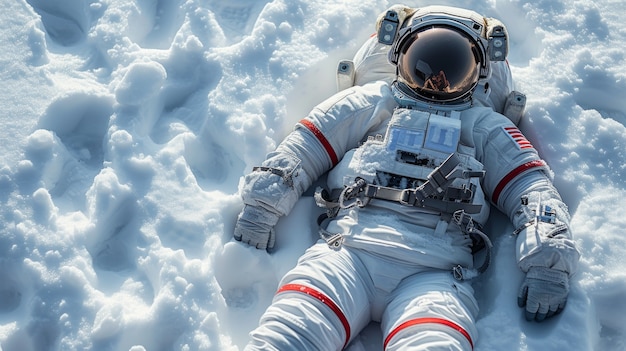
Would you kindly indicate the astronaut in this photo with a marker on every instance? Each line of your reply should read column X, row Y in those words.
column 412, row 170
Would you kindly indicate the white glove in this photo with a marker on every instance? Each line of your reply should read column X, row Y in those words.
column 255, row 227
column 543, row 292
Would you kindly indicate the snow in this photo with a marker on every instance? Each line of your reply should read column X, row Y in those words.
column 127, row 125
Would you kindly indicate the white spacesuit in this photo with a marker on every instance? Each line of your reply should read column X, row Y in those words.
column 416, row 161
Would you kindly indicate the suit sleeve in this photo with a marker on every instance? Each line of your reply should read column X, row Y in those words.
column 519, row 183
column 317, row 144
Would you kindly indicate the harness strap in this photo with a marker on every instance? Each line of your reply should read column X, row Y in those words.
column 325, row 199
column 416, row 197
column 469, row 227
column 334, row 240
column 436, row 193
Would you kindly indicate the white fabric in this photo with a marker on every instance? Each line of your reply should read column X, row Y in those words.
column 365, row 287
column 431, row 295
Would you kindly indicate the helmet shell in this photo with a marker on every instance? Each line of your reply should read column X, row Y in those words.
column 439, row 63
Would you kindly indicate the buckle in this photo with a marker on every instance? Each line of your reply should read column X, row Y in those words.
column 335, row 241
column 404, row 197
column 407, row 197
column 354, row 194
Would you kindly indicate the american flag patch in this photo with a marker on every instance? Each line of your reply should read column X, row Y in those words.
column 518, row 138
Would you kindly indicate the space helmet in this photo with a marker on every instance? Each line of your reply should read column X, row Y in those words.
column 439, row 64
column 441, row 56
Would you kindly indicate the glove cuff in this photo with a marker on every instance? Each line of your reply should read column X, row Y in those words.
column 276, row 185
column 548, row 274
column 259, row 216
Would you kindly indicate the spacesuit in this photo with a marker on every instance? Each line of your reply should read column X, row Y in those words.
column 415, row 154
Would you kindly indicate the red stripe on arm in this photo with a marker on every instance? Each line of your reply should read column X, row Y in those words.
column 322, row 139
column 514, row 173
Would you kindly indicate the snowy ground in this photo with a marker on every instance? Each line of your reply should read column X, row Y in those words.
column 126, row 126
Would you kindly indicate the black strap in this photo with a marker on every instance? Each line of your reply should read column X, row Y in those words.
column 416, row 197
column 435, row 193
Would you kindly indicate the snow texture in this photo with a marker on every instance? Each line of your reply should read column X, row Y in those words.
column 127, row 126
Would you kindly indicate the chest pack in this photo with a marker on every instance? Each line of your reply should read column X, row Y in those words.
column 416, row 163
column 419, row 163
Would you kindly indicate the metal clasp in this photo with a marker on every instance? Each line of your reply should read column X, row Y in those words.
column 405, row 195
column 335, row 241
column 354, row 192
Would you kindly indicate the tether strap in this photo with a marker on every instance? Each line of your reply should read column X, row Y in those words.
column 419, row 321
column 322, row 298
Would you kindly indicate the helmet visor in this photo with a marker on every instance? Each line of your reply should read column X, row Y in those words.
column 439, row 64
